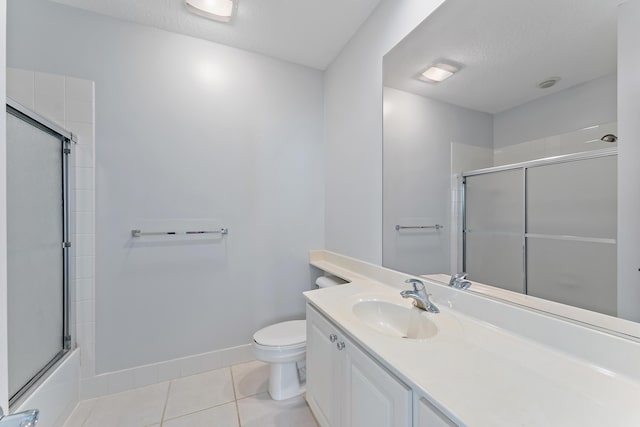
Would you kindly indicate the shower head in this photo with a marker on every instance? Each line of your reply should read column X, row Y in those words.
column 609, row 138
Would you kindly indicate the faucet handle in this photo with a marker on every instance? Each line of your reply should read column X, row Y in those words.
column 464, row 284
column 417, row 284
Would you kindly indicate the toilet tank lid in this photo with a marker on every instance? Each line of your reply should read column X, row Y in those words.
column 281, row 334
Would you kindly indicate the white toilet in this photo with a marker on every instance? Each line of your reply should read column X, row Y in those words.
column 284, row 347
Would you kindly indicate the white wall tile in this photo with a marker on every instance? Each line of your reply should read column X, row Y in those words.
column 84, row 289
column 84, row 267
column 85, row 311
column 79, row 111
column 20, row 86
column 49, row 96
column 85, row 222
column 86, row 333
column 84, row 132
column 84, row 177
column 79, row 89
column 88, row 360
column 84, row 156
column 84, row 244
column 84, row 201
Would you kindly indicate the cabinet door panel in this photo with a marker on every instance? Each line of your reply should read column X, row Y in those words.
column 428, row 415
column 323, row 370
column 374, row 398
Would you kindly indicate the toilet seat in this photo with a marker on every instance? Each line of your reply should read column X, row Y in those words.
column 283, row 346
column 285, row 335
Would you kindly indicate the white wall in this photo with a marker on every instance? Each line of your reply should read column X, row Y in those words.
column 583, row 105
column 353, row 129
column 188, row 134
column 417, row 151
column 628, row 155
column 4, row 373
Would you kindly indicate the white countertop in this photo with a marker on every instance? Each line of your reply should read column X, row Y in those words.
column 480, row 374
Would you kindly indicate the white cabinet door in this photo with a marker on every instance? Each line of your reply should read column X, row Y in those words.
column 324, row 370
column 345, row 387
column 427, row 415
column 373, row 397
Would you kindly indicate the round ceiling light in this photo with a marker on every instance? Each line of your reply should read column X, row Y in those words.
column 218, row 10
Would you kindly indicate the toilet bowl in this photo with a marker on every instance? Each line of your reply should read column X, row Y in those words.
column 284, row 347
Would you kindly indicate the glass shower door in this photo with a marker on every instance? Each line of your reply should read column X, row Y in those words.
column 36, row 259
column 494, row 229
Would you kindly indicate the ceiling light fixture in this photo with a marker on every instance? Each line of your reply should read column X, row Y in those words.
column 438, row 73
column 218, row 10
column 547, row 83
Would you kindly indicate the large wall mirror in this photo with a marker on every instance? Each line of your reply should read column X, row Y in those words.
column 500, row 150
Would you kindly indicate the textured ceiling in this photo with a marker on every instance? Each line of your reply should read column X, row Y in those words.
column 506, row 47
column 307, row 32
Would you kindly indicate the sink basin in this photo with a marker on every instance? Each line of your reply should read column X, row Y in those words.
column 395, row 320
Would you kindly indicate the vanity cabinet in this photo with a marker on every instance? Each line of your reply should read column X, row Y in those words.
column 427, row 415
column 345, row 386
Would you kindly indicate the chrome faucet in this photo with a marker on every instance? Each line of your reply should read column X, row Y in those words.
column 458, row 281
column 420, row 296
column 21, row 419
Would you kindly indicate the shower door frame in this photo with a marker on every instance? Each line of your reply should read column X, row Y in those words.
column 67, row 139
column 524, row 166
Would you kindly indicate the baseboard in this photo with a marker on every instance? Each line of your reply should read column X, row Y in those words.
column 140, row 376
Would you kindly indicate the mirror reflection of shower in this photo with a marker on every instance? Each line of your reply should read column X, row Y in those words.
column 511, row 104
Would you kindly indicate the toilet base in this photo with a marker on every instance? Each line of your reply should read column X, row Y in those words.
column 284, row 382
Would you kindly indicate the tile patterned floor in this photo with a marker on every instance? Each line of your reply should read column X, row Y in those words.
column 228, row 397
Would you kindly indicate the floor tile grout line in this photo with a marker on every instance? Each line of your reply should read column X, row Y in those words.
column 238, row 414
column 166, row 403
column 254, row 395
column 233, row 383
column 235, row 396
column 200, row 410
column 234, row 400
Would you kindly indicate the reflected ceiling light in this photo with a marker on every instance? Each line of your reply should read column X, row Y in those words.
column 218, row 10
column 438, row 72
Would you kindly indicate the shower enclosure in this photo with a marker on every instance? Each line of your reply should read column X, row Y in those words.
column 38, row 246
column 546, row 228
